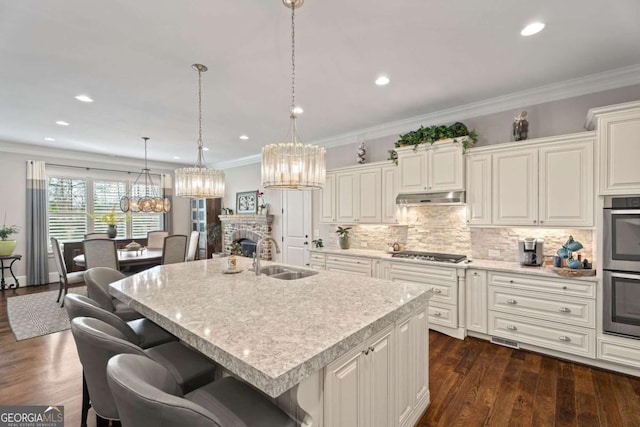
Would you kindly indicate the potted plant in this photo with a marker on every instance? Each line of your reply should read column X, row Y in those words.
column 7, row 246
column 343, row 237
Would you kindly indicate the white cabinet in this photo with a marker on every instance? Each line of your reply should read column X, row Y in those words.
column 431, row 168
column 515, row 187
column 348, row 264
column 328, row 199
column 317, row 261
column 359, row 385
column 547, row 182
column 381, row 269
column 476, row 300
column 618, row 132
column 412, row 334
column 369, row 196
column 347, row 197
column 389, row 193
column 478, row 173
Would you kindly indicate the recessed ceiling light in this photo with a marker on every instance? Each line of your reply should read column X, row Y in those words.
column 176, row 157
column 49, row 139
column 297, row 110
column 84, row 98
column 532, row 29
column 382, row 80
column 244, row 137
column 62, row 123
column 205, row 148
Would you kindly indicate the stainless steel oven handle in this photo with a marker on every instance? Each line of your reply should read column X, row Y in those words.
column 626, row 276
column 625, row 212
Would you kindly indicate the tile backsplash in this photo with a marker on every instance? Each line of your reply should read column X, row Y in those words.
column 444, row 229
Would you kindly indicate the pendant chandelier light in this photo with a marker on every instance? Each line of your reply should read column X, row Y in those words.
column 199, row 182
column 292, row 165
column 151, row 201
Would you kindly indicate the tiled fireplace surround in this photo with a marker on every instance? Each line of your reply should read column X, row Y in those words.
column 253, row 227
column 444, row 229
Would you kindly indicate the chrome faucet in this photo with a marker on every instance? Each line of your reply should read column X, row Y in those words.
column 256, row 254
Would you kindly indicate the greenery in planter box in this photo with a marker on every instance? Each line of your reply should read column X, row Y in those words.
column 431, row 134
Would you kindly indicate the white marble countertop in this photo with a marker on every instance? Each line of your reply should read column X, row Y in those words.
column 481, row 264
column 272, row 333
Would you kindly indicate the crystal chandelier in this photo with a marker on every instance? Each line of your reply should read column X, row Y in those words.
column 292, row 165
column 151, row 201
column 199, row 181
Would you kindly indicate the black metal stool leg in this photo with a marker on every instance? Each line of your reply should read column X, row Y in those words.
column 86, row 404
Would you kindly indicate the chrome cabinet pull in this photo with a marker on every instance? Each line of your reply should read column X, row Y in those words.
column 437, row 314
column 564, row 338
column 510, row 281
column 512, row 328
column 437, row 291
column 512, row 301
column 564, row 287
column 565, row 310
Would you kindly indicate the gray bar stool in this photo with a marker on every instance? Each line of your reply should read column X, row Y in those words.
column 97, row 280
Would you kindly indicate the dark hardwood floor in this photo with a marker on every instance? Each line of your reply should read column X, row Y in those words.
column 472, row 382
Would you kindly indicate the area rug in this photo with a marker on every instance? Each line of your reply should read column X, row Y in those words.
column 38, row 314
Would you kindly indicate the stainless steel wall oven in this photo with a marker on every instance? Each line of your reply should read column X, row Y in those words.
column 621, row 265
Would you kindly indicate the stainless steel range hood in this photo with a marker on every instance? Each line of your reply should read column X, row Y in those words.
column 446, row 198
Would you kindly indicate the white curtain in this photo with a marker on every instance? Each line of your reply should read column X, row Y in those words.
column 37, row 255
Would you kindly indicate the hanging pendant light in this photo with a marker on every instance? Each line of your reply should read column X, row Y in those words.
column 199, row 182
column 151, row 201
column 292, row 165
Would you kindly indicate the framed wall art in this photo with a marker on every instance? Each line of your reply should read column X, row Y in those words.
column 247, row 202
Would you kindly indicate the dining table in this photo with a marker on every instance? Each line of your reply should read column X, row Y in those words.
column 130, row 258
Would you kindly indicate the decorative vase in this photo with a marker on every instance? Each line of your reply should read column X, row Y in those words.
column 344, row 242
column 520, row 127
column 112, row 231
column 7, row 247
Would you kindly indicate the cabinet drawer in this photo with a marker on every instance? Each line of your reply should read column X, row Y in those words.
column 619, row 353
column 570, row 339
column 443, row 314
column 445, row 292
column 428, row 273
column 542, row 283
column 317, row 261
column 564, row 309
column 361, row 266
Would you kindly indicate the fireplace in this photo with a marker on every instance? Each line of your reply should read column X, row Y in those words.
column 244, row 231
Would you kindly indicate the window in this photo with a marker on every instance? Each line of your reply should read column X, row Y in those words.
column 69, row 208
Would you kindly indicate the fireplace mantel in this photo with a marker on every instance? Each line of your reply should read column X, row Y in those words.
column 243, row 219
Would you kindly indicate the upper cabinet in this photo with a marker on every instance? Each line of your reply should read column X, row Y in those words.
column 618, row 133
column 431, row 168
column 547, row 182
column 360, row 195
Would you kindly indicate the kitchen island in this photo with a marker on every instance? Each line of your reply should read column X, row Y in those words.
column 333, row 349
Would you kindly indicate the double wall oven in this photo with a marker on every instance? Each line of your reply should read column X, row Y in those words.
column 621, row 266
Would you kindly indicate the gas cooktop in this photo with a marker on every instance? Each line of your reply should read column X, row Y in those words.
column 430, row 256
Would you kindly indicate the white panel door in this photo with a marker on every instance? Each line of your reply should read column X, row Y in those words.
column 369, row 196
column 619, row 137
column 413, row 172
column 476, row 300
column 515, row 187
column 328, row 200
column 420, row 331
column 566, row 185
column 404, row 373
column 344, row 398
column 346, row 200
column 296, row 227
column 380, row 364
column 389, row 193
column 478, row 189
column 445, row 169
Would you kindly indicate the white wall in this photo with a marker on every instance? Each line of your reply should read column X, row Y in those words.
column 13, row 164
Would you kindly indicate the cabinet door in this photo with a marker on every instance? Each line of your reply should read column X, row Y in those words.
column 389, row 193
column 566, row 185
column 404, row 373
column 444, row 168
column 344, row 398
column 328, row 209
column 420, row 330
column 476, row 300
column 479, row 189
column 369, row 196
column 413, row 172
column 515, row 187
column 346, row 203
column 380, row 363
column 619, row 138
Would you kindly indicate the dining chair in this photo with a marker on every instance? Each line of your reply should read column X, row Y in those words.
column 174, row 249
column 98, row 280
column 97, row 342
column 146, row 394
column 141, row 332
column 155, row 239
column 100, row 253
column 64, row 277
column 192, row 249
column 90, row 236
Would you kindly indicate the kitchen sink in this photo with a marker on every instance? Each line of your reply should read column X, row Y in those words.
column 286, row 273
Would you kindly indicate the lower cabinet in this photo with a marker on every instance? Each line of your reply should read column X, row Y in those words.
column 383, row 382
column 619, row 350
column 317, row 261
column 476, row 301
column 348, row 264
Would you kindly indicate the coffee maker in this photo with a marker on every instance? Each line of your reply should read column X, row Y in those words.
column 530, row 250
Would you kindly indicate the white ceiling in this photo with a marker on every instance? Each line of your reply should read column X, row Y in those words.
column 134, row 59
